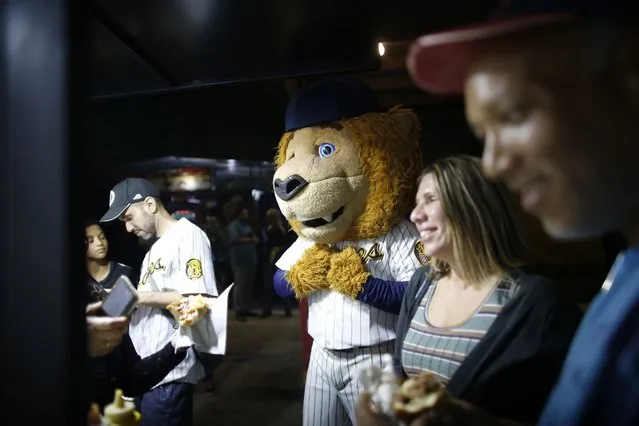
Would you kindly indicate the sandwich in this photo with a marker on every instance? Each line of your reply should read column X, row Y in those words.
column 188, row 310
column 416, row 396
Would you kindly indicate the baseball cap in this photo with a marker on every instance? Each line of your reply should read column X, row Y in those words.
column 438, row 62
column 328, row 101
column 127, row 192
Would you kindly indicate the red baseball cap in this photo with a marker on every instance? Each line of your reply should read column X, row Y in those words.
column 438, row 63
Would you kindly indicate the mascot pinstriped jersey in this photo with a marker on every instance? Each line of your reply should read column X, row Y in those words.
column 346, row 178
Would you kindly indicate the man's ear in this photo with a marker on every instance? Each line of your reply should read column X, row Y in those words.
column 151, row 205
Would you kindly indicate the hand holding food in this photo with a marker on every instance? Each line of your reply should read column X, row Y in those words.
column 416, row 395
column 424, row 401
column 188, row 310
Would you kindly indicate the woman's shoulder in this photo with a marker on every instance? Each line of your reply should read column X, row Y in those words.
column 420, row 278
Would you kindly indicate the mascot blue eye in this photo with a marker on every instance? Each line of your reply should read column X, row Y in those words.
column 326, row 149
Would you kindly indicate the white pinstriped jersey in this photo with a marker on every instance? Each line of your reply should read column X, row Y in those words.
column 336, row 321
column 180, row 261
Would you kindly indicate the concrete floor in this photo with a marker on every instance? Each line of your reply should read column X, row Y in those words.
column 259, row 378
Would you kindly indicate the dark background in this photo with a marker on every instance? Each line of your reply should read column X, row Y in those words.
column 211, row 79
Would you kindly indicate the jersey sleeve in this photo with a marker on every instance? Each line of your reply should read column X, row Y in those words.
column 407, row 251
column 194, row 271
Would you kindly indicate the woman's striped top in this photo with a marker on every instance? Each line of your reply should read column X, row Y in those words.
column 441, row 350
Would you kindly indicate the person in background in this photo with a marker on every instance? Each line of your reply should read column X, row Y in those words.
column 101, row 272
column 243, row 243
column 552, row 90
column 275, row 243
column 220, row 248
column 179, row 262
column 494, row 336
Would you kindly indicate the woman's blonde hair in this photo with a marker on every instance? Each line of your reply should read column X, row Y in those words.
column 485, row 237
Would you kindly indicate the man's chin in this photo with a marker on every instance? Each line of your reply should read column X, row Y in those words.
column 146, row 238
column 568, row 230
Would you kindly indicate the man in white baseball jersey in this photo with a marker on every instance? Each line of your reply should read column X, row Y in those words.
column 347, row 174
column 178, row 263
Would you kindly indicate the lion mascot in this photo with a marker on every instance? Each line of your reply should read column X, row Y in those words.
column 346, row 177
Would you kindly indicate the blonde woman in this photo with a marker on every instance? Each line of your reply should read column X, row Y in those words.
column 495, row 336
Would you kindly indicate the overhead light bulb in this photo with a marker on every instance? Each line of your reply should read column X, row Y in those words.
column 381, row 49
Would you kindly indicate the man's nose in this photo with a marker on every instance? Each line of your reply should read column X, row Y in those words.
column 496, row 160
column 288, row 188
column 129, row 227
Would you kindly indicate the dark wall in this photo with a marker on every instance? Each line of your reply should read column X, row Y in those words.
column 242, row 122
column 239, row 121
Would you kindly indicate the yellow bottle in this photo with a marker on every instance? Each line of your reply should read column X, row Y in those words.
column 121, row 412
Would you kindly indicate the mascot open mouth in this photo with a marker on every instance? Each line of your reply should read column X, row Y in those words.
column 321, row 221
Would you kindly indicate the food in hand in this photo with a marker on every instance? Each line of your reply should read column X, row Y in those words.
column 416, row 395
column 188, row 310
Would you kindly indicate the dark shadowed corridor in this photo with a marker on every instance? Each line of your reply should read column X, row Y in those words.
column 260, row 377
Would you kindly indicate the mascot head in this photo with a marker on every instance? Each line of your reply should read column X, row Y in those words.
column 346, row 170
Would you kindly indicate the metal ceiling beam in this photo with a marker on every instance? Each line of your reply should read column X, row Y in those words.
column 132, row 44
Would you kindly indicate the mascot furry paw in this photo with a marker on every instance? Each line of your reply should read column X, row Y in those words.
column 346, row 179
column 347, row 273
column 310, row 272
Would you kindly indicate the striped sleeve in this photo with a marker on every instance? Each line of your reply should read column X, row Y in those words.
column 194, row 272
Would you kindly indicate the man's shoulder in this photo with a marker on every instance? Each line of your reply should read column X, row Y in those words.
column 189, row 229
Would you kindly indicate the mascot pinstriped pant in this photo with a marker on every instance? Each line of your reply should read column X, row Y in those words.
column 346, row 177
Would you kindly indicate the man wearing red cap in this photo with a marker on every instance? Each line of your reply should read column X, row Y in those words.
column 552, row 90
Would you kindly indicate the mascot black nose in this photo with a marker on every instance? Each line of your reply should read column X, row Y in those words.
column 289, row 187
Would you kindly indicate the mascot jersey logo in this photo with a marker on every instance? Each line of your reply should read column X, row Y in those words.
column 373, row 253
column 418, row 251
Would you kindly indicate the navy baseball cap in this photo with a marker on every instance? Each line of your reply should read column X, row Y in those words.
column 438, row 62
column 127, row 192
column 328, row 101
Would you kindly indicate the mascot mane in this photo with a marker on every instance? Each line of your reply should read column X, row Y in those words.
column 390, row 157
